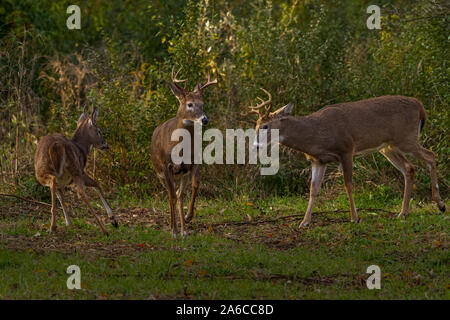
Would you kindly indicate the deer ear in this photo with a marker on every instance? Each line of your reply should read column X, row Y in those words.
column 177, row 91
column 94, row 115
column 81, row 119
column 287, row 109
column 284, row 111
column 197, row 87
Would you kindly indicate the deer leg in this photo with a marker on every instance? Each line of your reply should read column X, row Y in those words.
column 80, row 186
column 180, row 196
column 89, row 182
column 59, row 194
column 429, row 157
column 407, row 169
column 195, row 180
column 317, row 173
column 347, row 168
column 169, row 183
column 53, row 210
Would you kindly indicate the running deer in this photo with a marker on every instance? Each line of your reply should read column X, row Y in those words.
column 59, row 162
column 338, row 132
column 190, row 111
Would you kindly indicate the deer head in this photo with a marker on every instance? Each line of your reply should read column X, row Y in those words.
column 265, row 116
column 88, row 133
column 191, row 103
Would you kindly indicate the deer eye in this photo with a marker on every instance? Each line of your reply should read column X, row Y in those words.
column 190, row 105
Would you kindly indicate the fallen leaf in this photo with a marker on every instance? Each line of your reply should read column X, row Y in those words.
column 188, row 263
column 436, row 244
column 202, row 272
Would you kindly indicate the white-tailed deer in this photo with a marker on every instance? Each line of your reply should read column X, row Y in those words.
column 337, row 133
column 190, row 111
column 60, row 161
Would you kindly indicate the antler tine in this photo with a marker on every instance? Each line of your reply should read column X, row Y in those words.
column 244, row 114
column 252, row 109
column 209, row 82
column 263, row 103
column 267, row 103
column 260, row 99
column 174, row 76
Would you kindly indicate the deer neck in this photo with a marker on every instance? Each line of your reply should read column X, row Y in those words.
column 296, row 133
column 181, row 125
column 82, row 143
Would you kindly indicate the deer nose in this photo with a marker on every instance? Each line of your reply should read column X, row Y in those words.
column 204, row 120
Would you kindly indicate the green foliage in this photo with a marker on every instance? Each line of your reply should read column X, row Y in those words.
column 227, row 256
column 312, row 52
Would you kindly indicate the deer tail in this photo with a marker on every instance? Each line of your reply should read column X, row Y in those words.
column 57, row 155
column 422, row 117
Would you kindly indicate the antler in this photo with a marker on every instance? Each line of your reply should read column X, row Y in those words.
column 201, row 87
column 174, row 76
column 263, row 103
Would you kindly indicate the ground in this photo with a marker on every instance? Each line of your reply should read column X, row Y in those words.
column 235, row 249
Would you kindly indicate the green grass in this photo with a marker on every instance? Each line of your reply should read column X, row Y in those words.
column 230, row 252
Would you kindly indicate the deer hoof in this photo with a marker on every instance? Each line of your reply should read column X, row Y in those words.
column 304, row 224
column 402, row 215
column 114, row 223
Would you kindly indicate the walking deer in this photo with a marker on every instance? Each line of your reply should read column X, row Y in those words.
column 190, row 111
column 59, row 162
column 337, row 133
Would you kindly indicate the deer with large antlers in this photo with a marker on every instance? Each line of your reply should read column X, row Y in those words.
column 190, row 111
column 337, row 133
column 59, row 162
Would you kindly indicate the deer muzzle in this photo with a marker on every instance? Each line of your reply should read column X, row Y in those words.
column 104, row 146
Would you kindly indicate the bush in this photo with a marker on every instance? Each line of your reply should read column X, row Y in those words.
column 313, row 53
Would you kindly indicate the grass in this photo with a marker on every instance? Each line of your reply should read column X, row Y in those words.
column 235, row 250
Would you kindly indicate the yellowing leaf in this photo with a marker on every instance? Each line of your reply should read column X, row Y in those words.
column 188, row 263
column 202, row 272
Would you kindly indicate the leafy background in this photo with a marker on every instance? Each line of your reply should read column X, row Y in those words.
column 311, row 52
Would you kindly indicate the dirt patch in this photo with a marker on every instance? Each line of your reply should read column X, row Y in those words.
column 58, row 243
column 280, row 232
